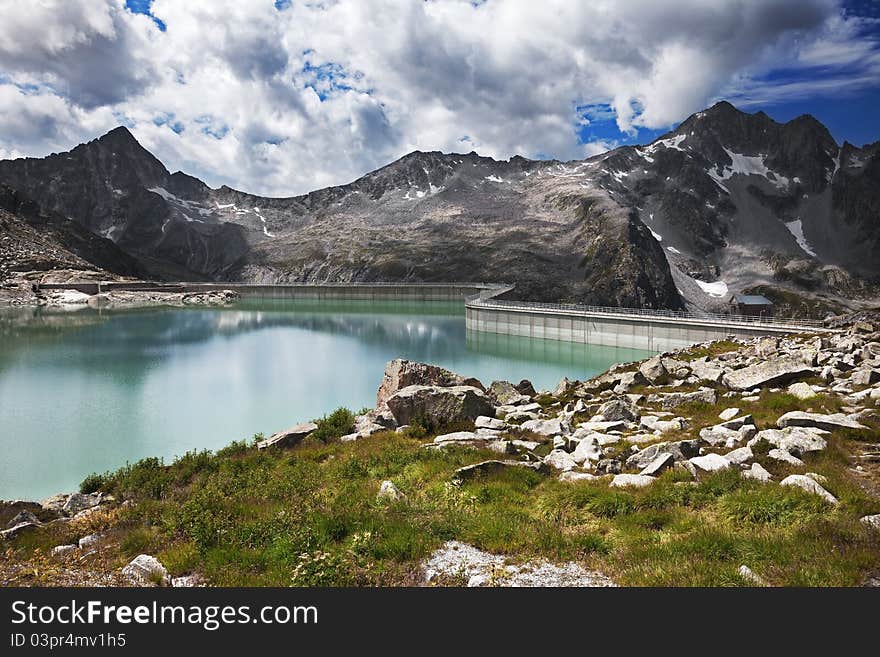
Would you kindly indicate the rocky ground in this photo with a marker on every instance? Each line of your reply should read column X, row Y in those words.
column 767, row 432
column 20, row 292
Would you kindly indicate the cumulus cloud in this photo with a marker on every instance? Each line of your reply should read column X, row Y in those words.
column 281, row 98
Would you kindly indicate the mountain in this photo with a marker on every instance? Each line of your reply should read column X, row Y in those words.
column 727, row 202
column 32, row 240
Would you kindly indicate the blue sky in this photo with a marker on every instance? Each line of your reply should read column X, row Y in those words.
column 284, row 96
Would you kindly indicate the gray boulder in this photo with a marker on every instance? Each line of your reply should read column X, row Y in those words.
column 758, row 473
column 439, row 405
column 146, row 570
column 810, row 485
column 872, row 521
column 663, row 462
column 543, row 427
column 389, row 492
column 670, row 400
column 560, row 460
column 710, row 462
column 775, row 370
column 400, row 374
column 618, row 409
column 503, row 393
column 631, row 480
column 289, row 437
column 77, row 502
column 818, row 420
column 680, row 451
column 652, row 369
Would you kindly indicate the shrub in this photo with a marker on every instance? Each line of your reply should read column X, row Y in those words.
column 93, row 483
column 332, row 427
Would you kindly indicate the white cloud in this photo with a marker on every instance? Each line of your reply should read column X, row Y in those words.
column 281, row 102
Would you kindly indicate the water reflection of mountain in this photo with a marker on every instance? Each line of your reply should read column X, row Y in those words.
column 115, row 340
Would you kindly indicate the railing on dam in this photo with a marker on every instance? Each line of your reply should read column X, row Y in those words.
column 644, row 313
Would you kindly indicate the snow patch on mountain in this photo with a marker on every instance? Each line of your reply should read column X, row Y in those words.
column 717, row 289
column 747, row 165
column 796, row 228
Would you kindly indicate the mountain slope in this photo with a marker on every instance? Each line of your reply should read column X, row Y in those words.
column 726, row 202
column 34, row 240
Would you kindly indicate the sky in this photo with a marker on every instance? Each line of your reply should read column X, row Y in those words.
column 280, row 97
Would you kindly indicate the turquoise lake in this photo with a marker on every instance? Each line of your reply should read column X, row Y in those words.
column 86, row 391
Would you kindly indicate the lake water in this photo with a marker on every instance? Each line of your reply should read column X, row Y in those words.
column 85, row 391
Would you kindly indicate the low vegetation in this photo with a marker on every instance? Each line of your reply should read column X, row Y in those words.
column 310, row 516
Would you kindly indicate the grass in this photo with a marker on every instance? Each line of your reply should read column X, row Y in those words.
column 310, row 516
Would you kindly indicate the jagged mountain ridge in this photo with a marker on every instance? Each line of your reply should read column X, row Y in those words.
column 728, row 201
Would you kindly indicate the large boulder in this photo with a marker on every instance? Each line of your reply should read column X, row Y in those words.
column 289, row 437
column 77, row 502
column 810, row 485
column 549, row 427
column 619, row 409
column 652, row 369
column 670, row 400
column 503, row 393
column 437, row 405
column 400, row 374
column 818, row 421
column 794, row 440
column 680, row 451
column 774, row 370
column 146, row 570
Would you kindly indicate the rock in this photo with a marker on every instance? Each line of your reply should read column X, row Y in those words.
column 146, row 570
column 389, row 492
column 663, row 462
column 489, row 467
column 728, row 414
column 525, row 387
column 88, row 541
column 670, row 400
column 864, row 377
column 571, row 475
column 666, row 426
column 503, row 393
column 680, row 451
column 710, row 462
column 794, row 440
column 740, row 456
column 400, row 374
column 527, row 445
column 817, row 420
column 77, row 502
column 560, row 460
column 767, row 346
column 784, row 456
column 485, row 422
column 652, row 369
column 719, row 435
column 438, row 406
column 628, row 380
column 600, row 427
column 706, row 372
column 617, row 410
column 747, row 574
column 62, row 550
column 67, row 297
column 54, row 503
column 187, row 581
column 809, row 485
column 23, row 516
column 775, row 370
column 289, row 437
column 459, row 437
column 757, row 472
column 737, row 423
column 501, row 447
column 478, row 568
column 801, row 390
column 819, row 479
column 609, row 466
column 634, row 480
column 587, row 450
column 872, row 521
column 543, row 427
column 563, row 388
column 18, row 530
